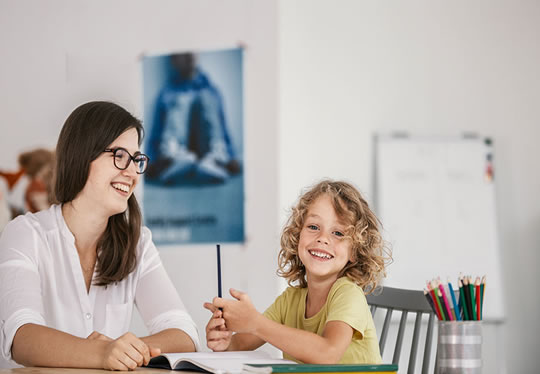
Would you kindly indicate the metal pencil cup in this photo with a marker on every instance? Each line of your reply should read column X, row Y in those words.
column 459, row 347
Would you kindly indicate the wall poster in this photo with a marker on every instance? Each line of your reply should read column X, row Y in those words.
column 193, row 119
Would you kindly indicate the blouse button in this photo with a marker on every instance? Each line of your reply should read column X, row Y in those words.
column 88, row 315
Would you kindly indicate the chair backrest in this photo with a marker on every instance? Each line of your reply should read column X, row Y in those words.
column 404, row 301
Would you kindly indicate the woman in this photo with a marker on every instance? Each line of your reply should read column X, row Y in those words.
column 71, row 274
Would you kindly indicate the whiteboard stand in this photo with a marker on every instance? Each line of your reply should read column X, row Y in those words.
column 436, row 201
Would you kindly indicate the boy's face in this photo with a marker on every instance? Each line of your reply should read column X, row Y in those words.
column 322, row 247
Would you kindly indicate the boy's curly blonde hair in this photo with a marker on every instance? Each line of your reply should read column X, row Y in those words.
column 369, row 249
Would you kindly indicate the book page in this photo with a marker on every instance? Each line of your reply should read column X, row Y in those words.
column 216, row 362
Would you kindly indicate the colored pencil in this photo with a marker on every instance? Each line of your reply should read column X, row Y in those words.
column 461, row 299
column 450, row 303
column 461, row 296
column 445, row 311
column 453, row 296
column 482, row 286
column 436, row 302
column 466, row 303
column 430, row 301
column 467, row 298
column 435, row 306
column 218, row 248
column 478, row 298
column 473, row 302
column 440, row 301
column 445, row 301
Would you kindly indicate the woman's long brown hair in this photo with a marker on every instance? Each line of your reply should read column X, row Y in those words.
column 88, row 130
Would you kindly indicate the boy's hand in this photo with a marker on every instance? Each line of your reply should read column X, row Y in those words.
column 218, row 338
column 240, row 315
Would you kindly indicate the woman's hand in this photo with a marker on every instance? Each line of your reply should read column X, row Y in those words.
column 98, row 336
column 218, row 338
column 126, row 353
column 240, row 315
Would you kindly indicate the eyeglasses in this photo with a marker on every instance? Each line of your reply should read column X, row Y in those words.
column 122, row 158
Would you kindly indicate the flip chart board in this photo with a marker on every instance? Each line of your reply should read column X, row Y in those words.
column 435, row 197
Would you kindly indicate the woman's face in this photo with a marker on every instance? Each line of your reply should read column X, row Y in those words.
column 109, row 188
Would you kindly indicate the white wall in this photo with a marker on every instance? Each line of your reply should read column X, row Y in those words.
column 347, row 69
column 59, row 54
column 350, row 68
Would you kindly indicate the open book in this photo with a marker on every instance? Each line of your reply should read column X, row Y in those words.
column 214, row 362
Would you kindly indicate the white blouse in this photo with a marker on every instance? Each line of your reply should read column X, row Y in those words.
column 41, row 282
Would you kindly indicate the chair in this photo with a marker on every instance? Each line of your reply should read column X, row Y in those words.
column 405, row 301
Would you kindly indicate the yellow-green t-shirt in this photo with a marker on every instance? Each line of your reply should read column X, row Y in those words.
column 346, row 302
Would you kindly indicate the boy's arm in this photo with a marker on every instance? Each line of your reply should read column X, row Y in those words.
column 242, row 317
column 245, row 342
column 326, row 349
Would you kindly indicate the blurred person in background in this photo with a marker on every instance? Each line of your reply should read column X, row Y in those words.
column 29, row 188
column 5, row 213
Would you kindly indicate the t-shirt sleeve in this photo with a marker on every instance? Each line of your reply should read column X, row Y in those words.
column 276, row 311
column 20, row 285
column 156, row 297
column 349, row 304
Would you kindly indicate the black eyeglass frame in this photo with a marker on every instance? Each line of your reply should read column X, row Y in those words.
column 131, row 158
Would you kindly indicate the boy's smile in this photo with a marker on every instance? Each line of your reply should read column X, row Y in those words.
column 320, row 254
column 323, row 248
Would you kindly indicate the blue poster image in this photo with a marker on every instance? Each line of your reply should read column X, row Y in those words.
column 193, row 119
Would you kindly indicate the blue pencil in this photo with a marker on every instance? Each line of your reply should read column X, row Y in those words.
column 456, row 309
